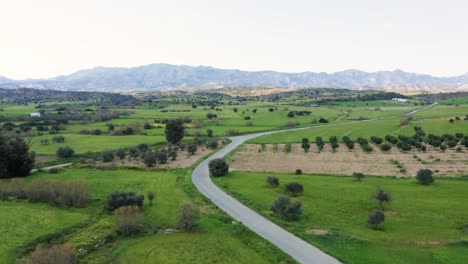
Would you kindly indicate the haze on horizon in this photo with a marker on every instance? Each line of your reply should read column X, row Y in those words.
column 51, row 37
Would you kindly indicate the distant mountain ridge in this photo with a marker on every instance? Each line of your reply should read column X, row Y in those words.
column 167, row 76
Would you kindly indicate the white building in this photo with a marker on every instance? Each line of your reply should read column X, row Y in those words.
column 36, row 114
column 399, row 99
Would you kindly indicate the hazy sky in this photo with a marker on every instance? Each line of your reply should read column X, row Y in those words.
column 44, row 38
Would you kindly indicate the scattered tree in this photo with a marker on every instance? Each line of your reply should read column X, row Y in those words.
column 376, row 218
column 151, row 196
column 218, row 167
column 285, row 208
column 15, row 158
column 424, row 176
column 192, row 148
column 65, row 152
column 358, row 175
column 382, row 197
column 174, row 131
column 119, row 199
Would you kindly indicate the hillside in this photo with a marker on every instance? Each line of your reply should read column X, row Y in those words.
column 166, row 76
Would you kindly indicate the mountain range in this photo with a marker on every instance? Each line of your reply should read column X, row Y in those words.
column 155, row 77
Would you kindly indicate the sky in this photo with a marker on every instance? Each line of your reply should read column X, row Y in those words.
column 46, row 38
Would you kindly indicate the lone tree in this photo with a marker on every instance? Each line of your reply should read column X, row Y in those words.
column 218, row 168
column 375, row 219
column 187, row 216
column 383, row 197
column 305, row 144
column 294, row 189
column 424, row 177
column 174, row 131
column 286, row 209
column 151, row 196
column 358, row 175
column 15, row 158
column 272, row 181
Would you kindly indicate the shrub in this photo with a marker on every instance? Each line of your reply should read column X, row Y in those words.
column 272, row 181
column 424, row 176
column 323, row 120
column 192, row 148
column 58, row 139
column 376, row 218
column 143, row 147
column 298, row 172
column 120, row 153
column 218, row 167
column 119, row 199
column 187, row 217
column 73, row 193
column 286, row 209
column 209, row 132
column 172, row 154
column 128, row 219
column 149, row 159
column 54, row 170
column 65, row 152
column 294, row 189
column 291, row 114
column 376, row 140
column 231, row 132
column 161, row 157
column 212, row 144
column 107, row 156
column 62, row 254
column 358, row 175
column 391, row 139
column 385, row 147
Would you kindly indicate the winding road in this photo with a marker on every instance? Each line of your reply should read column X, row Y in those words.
column 297, row 248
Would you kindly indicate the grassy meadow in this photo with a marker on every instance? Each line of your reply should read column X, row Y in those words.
column 423, row 223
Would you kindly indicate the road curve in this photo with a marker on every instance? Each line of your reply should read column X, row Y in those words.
column 297, row 248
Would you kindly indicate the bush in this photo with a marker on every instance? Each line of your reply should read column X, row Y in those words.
column 209, row 132
column 385, row 147
column 218, row 167
column 272, row 181
column 107, row 156
column 58, row 139
column 358, row 175
column 212, row 144
column 298, row 172
column 128, row 219
column 120, row 153
column 73, row 193
column 149, row 158
column 62, row 254
column 376, row 218
column 192, row 148
column 424, row 176
column 119, row 199
column 294, row 189
column 376, row 140
column 65, row 152
column 187, row 217
column 54, row 170
column 323, row 120
column 286, row 209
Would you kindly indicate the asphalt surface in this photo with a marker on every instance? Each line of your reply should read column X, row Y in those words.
column 297, row 248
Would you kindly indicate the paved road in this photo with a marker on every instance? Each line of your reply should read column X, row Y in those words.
column 55, row 166
column 297, row 248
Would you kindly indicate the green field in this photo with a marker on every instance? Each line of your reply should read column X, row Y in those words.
column 21, row 223
column 423, row 223
column 228, row 242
